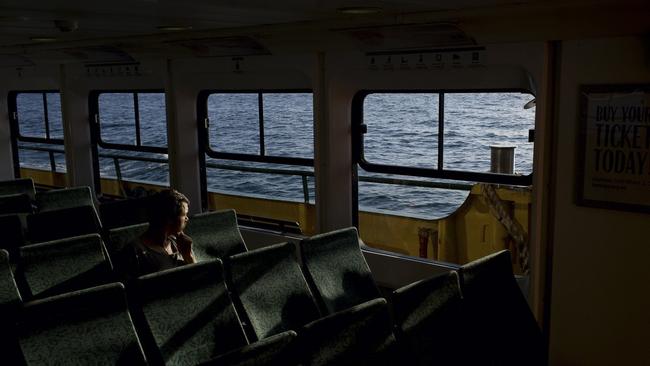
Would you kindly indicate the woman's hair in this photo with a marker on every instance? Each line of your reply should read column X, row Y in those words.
column 165, row 206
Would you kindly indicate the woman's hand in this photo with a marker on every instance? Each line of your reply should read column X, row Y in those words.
column 184, row 243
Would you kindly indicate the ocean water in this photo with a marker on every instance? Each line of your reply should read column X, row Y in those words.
column 402, row 130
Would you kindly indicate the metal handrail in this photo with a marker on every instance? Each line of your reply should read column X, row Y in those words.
column 303, row 174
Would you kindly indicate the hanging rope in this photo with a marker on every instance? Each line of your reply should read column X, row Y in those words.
column 513, row 227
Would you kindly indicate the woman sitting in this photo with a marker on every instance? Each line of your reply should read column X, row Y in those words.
column 163, row 245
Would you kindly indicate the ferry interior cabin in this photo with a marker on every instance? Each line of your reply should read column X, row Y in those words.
column 370, row 182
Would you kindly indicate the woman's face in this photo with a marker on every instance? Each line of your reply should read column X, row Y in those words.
column 179, row 223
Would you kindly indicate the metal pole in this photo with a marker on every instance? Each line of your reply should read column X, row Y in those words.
column 305, row 188
column 52, row 162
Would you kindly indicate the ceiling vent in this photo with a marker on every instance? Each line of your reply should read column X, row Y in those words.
column 408, row 37
column 222, row 46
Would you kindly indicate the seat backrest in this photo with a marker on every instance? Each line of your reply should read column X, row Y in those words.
column 215, row 235
column 429, row 317
column 12, row 232
column 190, row 314
column 272, row 289
column 57, row 199
column 121, row 236
column 126, row 212
column 17, row 186
column 64, row 223
column 87, row 327
column 498, row 313
column 63, row 265
column 19, row 203
column 10, row 301
column 9, row 295
column 337, row 270
column 276, row 350
column 360, row 335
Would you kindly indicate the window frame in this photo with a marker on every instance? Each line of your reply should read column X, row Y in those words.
column 95, row 129
column 14, row 126
column 359, row 129
column 203, row 125
column 262, row 157
column 93, row 100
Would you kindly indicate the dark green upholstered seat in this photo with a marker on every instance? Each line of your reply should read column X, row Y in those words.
column 9, row 295
column 10, row 301
column 337, row 270
column 190, row 314
column 64, row 223
column 87, row 327
column 58, row 199
column 64, row 265
column 18, row 186
column 276, row 350
column 360, row 335
column 125, row 212
column 16, row 204
column 272, row 289
column 429, row 321
column 215, row 235
column 121, row 236
column 13, row 236
column 499, row 322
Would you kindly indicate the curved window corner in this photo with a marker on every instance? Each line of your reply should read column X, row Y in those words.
column 257, row 151
column 37, row 132
column 422, row 157
column 129, row 131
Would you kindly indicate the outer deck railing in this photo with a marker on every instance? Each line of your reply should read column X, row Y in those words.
column 292, row 172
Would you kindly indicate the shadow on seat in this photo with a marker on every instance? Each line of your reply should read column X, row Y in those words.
column 215, row 235
column 272, row 290
column 126, row 212
column 58, row 199
column 19, row 203
column 429, row 321
column 360, row 335
column 18, row 186
column 87, row 327
column 337, row 271
column 121, row 236
column 500, row 324
column 11, row 228
column 189, row 313
column 10, row 301
column 192, row 319
column 63, row 265
column 64, row 223
column 276, row 350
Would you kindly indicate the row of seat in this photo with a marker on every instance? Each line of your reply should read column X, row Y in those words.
column 27, row 216
column 68, row 264
column 184, row 295
column 19, row 196
column 215, row 234
column 436, row 321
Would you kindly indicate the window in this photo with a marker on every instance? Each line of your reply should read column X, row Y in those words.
column 37, row 130
column 258, row 143
column 444, row 135
column 476, row 121
column 419, row 155
column 130, row 136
